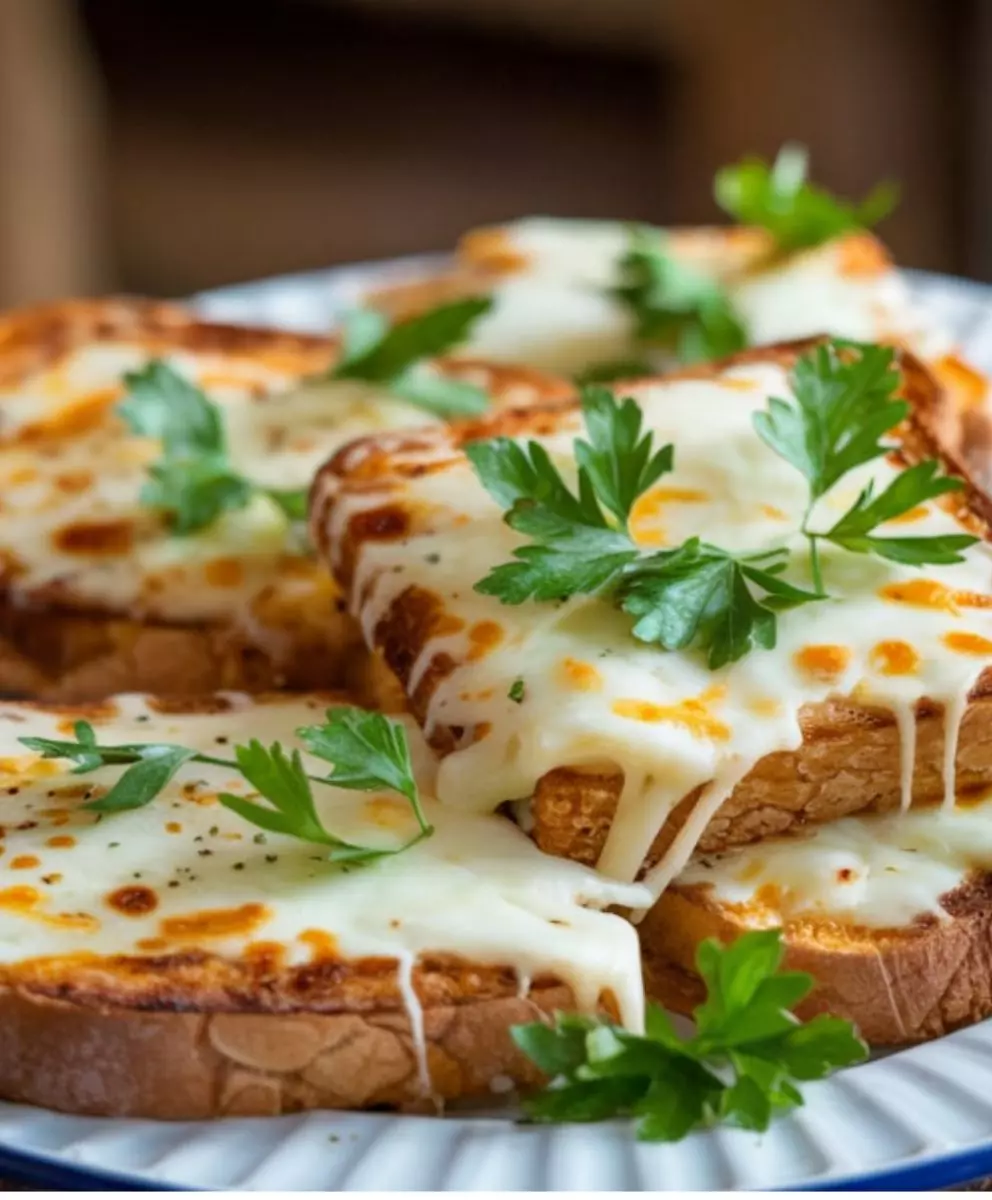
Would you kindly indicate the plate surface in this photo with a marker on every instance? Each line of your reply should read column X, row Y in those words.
column 921, row 1118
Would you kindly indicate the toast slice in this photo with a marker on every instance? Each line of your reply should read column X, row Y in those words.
column 629, row 755
column 551, row 278
column 848, row 287
column 892, row 915
column 175, row 961
column 98, row 594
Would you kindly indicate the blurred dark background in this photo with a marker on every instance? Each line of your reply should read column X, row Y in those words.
column 169, row 145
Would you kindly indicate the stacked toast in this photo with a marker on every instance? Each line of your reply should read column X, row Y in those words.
column 370, row 695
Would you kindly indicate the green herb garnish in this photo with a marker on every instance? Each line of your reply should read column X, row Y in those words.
column 369, row 752
column 615, row 370
column 845, row 402
column 395, row 356
column 193, row 481
column 675, row 306
column 699, row 594
column 796, row 213
column 740, row 1067
column 580, row 543
column 517, row 691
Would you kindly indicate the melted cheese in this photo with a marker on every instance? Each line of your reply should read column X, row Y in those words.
column 71, row 514
column 184, row 872
column 664, row 720
column 553, row 309
column 878, row 871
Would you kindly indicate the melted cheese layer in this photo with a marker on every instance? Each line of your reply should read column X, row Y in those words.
column 184, row 872
column 880, row 871
column 596, row 698
column 71, row 475
column 553, row 310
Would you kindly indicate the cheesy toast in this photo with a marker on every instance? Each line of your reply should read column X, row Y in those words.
column 99, row 593
column 551, row 279
column 891, row 914
column 173, row 961
column 629, row 756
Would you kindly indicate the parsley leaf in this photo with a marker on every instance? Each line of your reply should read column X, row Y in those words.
column 281, row 779
column 614, row 370
column 844, row 405
column 434, row 393
column 193, row 482
column 150, row 765
column 162, row 404
column 700, row 593
column 796, row 213
column 394, row 356
column 397, row 348
column 909, row 489
column 578, row 550
column 195, row 491
column 619, row 459
column 739, row 1067
column 674, row 305
column 517, row 692
column 369, row 751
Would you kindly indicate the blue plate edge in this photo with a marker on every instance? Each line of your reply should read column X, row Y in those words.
column 945, row 1170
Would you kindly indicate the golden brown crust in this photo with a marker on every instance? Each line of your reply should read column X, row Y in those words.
column 572, row 811
column 64, row 656
column 55, row 646
column 898, row 986
column 187, row 1065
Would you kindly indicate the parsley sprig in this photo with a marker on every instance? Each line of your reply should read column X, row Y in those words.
column 581, row 544
column 193, row 481
column 697, row 593
column 368, row 751
column 674, row 305
column 796, row 213
column 396, row 355
column 845, row 403
column 740, row 1066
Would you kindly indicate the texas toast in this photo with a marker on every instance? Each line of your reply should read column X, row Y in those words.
column 891, row 915
column 556, row 706
column 172, row 960
column 552, row 278
column 98, row 593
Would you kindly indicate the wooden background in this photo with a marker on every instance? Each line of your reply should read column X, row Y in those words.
column 167, row 145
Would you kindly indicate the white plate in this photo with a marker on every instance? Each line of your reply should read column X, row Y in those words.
column 921, row 1118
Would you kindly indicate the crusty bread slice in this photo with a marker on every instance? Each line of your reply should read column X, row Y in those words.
column 900, row 982
column 367, row 499
column 97, row 595
column 174, row 961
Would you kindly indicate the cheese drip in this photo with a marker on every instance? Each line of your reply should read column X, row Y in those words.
column 597, row 700
column 478, row 887
column 875, row 871
column 554, row 308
